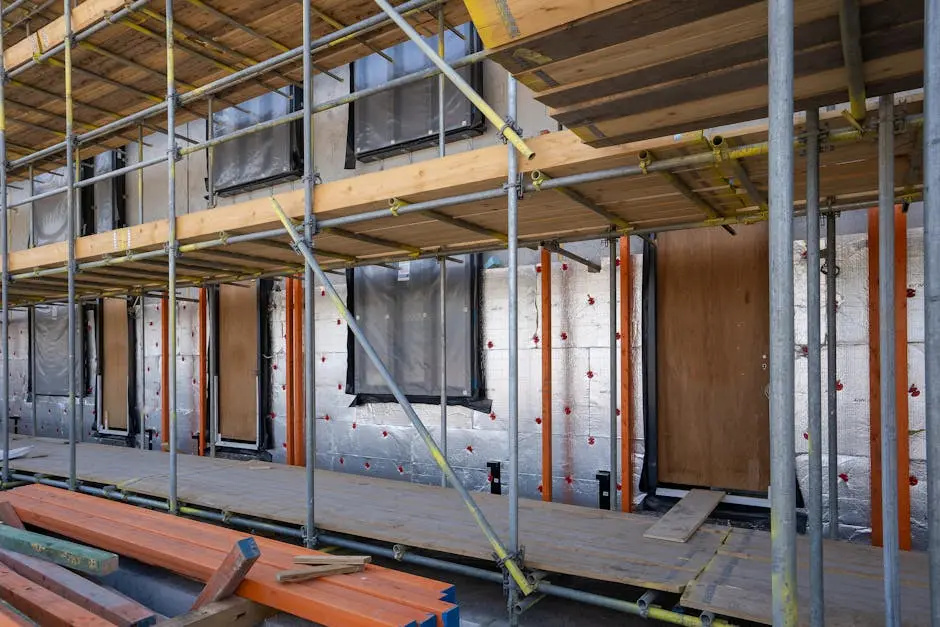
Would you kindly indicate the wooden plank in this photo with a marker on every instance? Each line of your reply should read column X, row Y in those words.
column 8, row 516
column 197, row 550
column 296, row 575
column 901, row 378
column 12, row 617
column 75, row 556
column 101, row 601
column 238, row 362
column 230, row 573
column 232, row 612
column 43, row 606
column 712, row 345
column 320, row 560
column 116, row 364
column 686, row 516
column 626, row 376
column 84, row 15
column 499, row 22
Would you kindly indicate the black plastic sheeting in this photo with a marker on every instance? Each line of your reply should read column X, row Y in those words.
column 399, row 311
column 406, row 118
column 262, row 158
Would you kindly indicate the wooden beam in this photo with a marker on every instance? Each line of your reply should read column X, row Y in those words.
column 230, row 573
column 500, row 21
column 52, row 34
column 626, row 380
column 900, row 387
column 42, row 605
column 306, row 573
column 75, row 556
column 232, row 612
column 322, row 559
column 8, row 516
column 101, row 601
column 12, row 617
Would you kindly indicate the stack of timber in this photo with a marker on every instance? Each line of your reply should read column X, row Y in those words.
column 616, row 71
column 203, row 552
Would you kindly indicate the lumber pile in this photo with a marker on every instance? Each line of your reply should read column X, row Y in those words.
column 616, row 71
column 230, row 562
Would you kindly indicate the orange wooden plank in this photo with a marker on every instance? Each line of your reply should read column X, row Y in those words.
column 325, row 603
column 9, row 618
column 626, row 381
column 289, row 365
column 43, row 606
column 900, row 352
column 874, row 379
column 546, row 375
column 386, row 583
column 383, row 584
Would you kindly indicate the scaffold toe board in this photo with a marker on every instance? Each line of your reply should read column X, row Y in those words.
column 621, row 70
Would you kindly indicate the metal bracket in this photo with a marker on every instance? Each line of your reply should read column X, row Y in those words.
column 520, row 189
column 310, row 540
column 510, row 123
column 172, row 248
column 399, row 551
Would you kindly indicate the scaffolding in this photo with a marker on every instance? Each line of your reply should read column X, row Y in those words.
column 779, row 210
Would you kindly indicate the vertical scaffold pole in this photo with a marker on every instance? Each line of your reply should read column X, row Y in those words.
column 70, row 218
column 512, row 199
column 814, row 369
column 310, row 413
column 32, row 361
column 441, row 152
column 931, row 140
column 171, row 248
column 4, row 281
column 832, row 407
column 443, row 303
column 614, row 419
column 782, row 446
column 143, row 297
column 210, row 152
column 889, row 435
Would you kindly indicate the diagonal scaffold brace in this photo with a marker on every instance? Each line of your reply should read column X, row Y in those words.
column 504, row 558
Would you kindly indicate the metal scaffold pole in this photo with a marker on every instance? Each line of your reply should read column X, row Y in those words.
column 505, row 559
column 4, row 281
column 512, row 234
column 814, row 369
column 889, row 434
column 832, row 407
column 782, row 446
column 309, row 348
column 931, row 141
column 71, row 234
column 172, row 244
column 441, row 152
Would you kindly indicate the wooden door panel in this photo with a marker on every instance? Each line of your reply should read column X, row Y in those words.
column 115, row 364
column 713, row 331
column 238, row 362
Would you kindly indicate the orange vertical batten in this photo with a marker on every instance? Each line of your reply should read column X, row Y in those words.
column 900, row 387
column 300, row 457
column 164, row 373
column 546, row 259
column 289, row 366
column 626, row 381
column 203, row 295
column 901, row 403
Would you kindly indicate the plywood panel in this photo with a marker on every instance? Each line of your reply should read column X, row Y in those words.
column 116, row 363
column 238, row 361
column 712, row 347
